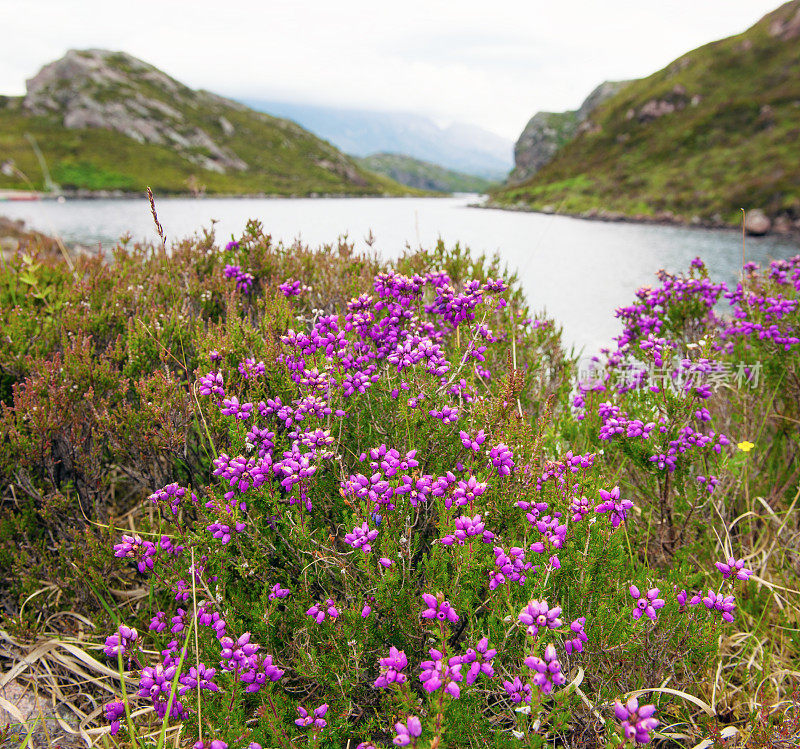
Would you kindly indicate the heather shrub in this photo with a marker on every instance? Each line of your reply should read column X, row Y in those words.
column 390, row 554
column 366, row 507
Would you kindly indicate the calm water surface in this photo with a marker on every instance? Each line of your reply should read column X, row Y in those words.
column 578, row 271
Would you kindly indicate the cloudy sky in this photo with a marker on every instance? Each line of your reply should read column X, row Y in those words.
column 489, row 63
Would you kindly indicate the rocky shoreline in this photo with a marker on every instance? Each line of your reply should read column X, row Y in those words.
column 757, row 223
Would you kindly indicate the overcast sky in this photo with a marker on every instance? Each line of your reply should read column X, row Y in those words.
column 490, row 63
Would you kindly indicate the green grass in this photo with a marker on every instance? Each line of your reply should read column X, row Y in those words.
column 736, row 147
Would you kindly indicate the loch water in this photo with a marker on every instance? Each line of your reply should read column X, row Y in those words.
column 578, row 271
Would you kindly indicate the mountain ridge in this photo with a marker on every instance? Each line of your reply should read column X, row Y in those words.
column 714, row 132
column 105, row 120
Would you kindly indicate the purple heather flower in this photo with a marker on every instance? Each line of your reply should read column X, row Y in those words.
column 120, row 642
column 438, row 672
column 517, row 691
column 408, row 732
column 317, row 718
column 479, row 660
column 198, row 676
column 157, row 623
column 734, row 567
column 511, row 567
column 385, row 562
column 501, row 458
column 466, row 492
column 617, row 507
column 440, row 610
column 467, row 528
column 575, row 645
column 538, row 615
column 473, row 443
column 647, row 603
column 366, row 611
column 278, row 592
column 547, row 671
column 391, row 668
column 726, row 605
column 361, row 537
column 134, row 546
column 636, row 721
column 318, row 611
column 114, row 711
column 447, row 414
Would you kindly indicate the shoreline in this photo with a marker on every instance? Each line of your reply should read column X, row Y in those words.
column 663, row 219
column 24, row 196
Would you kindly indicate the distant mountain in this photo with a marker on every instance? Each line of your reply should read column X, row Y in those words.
column 464, row 148
column 422, row 175
column 715, row 131
column 107, row 121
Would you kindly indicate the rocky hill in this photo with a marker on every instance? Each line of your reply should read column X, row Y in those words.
column 108, row 121
column 715, row 131
column 423, row 175
column 547, row 132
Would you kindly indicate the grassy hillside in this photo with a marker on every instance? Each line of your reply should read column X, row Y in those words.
column 715, row 131
column 192, row 140
column 423, row 175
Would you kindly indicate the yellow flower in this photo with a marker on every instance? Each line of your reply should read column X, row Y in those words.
column 745, row 446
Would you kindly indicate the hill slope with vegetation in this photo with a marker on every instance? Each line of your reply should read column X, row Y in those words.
column 107, row 121
column 423, row 175
column 715, row 131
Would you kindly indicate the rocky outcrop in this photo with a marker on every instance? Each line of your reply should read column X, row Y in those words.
column 115, row 91
column 757, row 223
column 540, row 140
column 547, row 132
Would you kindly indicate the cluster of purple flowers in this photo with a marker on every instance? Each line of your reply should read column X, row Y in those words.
column 466, row 528
column 438, row 609
column 317, row 719
column 244, row 280
column 647, row 603
column 538, row 615
column 408, row 732
column 636, row 721
column 502, row 459
column 391, row 668
column 547, row 671
column 617, row 508
column 135, row 547
column 239, row 657
column 734, row 568
column 121, row 642
column 361, row 537
column 511, row 567
column 441, row 671
column 172, row 495
column 290, row 288
column 319, row 610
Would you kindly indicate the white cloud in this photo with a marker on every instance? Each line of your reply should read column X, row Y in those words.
column 491, row 64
